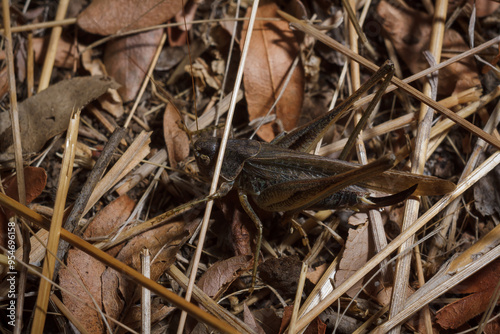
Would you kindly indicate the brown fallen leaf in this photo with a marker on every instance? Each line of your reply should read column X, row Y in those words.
column 35, row 179
column 272, row 51
column 357, row 252
column 409, row 31
column 105, row 17
column 90, row 270
column 65, row 52
column 250, row 320
column 87, row 271
column 481, row 287
column 176, row 139
column 222, row 273
column 178, row 35
column 163, row 243
column 4, row 82
column 127, row 60
column 47, row 114
column 315, row 327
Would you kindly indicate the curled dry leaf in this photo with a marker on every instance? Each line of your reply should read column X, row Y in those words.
column 47, row 114
column 106, row 17
column 221, row 274
column 273, row 49
column 409, row 31
column 127, row 60
column 176, row 139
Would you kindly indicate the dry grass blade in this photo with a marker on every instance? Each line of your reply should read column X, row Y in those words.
column 49, row 263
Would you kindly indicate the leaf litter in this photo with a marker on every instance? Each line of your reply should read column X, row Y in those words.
column 149, row 192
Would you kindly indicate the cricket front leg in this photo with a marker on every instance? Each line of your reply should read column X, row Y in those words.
column 258, row 224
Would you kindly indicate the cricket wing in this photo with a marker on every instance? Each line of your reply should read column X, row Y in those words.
column 395, row 181
column 298, row 195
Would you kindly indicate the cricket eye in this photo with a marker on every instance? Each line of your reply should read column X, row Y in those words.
column 205, row 159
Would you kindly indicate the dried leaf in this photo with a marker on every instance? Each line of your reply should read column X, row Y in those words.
column 409, row 31
column 176, row 139
column 249, row 319
column 35, row 179
column 47, row 114
column 87, row 271
column 315, row 327
column 4, row 82
column 65, row 52
column 481, row 286
column 105, row 17
column 315, row 275
column 356, row 254
column 273, row 49
column 221, row 274
column 163, row 243
column 127, row 60
column 178, row 35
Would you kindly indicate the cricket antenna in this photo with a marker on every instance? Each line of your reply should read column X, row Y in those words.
column 190, row 66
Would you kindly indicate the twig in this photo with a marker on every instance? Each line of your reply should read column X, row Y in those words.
column 52, row 47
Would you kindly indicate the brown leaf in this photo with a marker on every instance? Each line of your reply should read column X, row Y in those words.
column 356, row 254
column 315, row 327
column 178, row 35
column 4, row 82
column 127, row 60
column 47, row 114
column 272, row 50
column 105, row 17
column 249, row 319
column 221, row 274
column 176, row 139
column 163, row 243
column 87, row 270
column 65, row 52
column 481, row 286
column 35, row 179
column 409, row 31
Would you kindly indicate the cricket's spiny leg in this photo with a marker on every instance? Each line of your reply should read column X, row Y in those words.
column 258, row 224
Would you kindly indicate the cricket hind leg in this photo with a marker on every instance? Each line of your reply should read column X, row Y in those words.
column 258, row 224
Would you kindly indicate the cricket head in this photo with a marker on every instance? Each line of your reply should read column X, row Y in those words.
column 238, row 151
column 205, row 153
